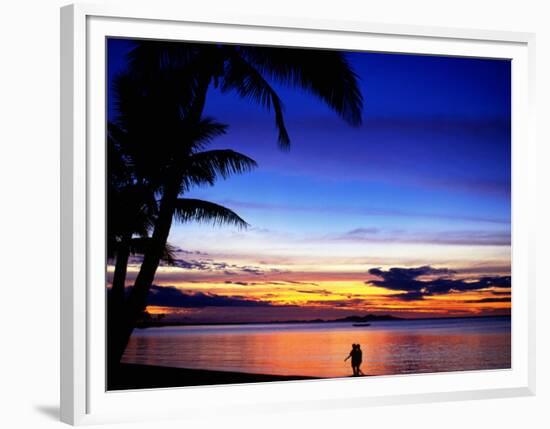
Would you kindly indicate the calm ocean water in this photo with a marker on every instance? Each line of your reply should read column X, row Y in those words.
column 392, row 347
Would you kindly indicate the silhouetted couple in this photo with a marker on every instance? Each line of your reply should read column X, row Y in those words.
column 356, row 355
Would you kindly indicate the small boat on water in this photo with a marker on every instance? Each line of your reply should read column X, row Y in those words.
column 361, row 325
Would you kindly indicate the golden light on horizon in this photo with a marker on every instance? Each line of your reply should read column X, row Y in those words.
column 352, row 296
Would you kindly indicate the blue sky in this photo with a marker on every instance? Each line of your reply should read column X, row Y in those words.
column 435, row 140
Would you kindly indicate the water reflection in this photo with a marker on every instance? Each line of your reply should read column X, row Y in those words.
column 320, row 350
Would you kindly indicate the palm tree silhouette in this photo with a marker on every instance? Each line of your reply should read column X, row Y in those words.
column 132, row 208
column 172, row 81
column 137, row 171
column 131, row 212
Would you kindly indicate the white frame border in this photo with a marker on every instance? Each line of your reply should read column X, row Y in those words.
column 77, row 390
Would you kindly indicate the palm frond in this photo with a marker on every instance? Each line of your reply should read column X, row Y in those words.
column 326, row 74
column 139, row 246
column 169, row 254
column 190, row 209
column 196, row 136
column 249, row 83
column 131, row 209
column 152, row 56
column 205, row 167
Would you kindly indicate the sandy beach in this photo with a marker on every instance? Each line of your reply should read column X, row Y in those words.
column 132, row 376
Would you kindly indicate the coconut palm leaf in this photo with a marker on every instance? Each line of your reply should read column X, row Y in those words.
column 249, row 83
column 139, row 245
column 324, row 73
column 152, row 56
column 191, row 209
column 198, row 135
column 207, row 166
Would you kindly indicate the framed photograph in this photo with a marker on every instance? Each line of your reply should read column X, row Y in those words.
column 263, row 214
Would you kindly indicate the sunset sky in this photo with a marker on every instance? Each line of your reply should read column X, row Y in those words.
column 408, row 214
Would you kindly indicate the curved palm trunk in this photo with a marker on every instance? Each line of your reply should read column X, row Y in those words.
column 119, row 275
column 137, row 301
column 115, row 301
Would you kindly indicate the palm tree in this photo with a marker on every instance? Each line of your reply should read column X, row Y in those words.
column 132, row 208
column 137, row 176
column 175, row 78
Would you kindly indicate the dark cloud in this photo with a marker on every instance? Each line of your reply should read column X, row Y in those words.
column 269, row 295
column 274, row 283
column 409, row 296
column 229, row 282
column 484, row 300
column 485, row 269
column 337, row 303
column 205, row 264
column 190, row 252
column 170, row 296
column 252, row 270
column 210, row 265
column 190, row 264
column 362, row 231
column 295, row 282
column 323, row 292
column 407, row 280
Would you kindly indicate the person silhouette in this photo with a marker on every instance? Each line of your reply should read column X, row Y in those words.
column 358, row 360
column 354, row 356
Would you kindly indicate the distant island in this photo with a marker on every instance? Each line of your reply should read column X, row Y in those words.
column 151, row 321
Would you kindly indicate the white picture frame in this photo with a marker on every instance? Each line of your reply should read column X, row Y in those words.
column 84, row 399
